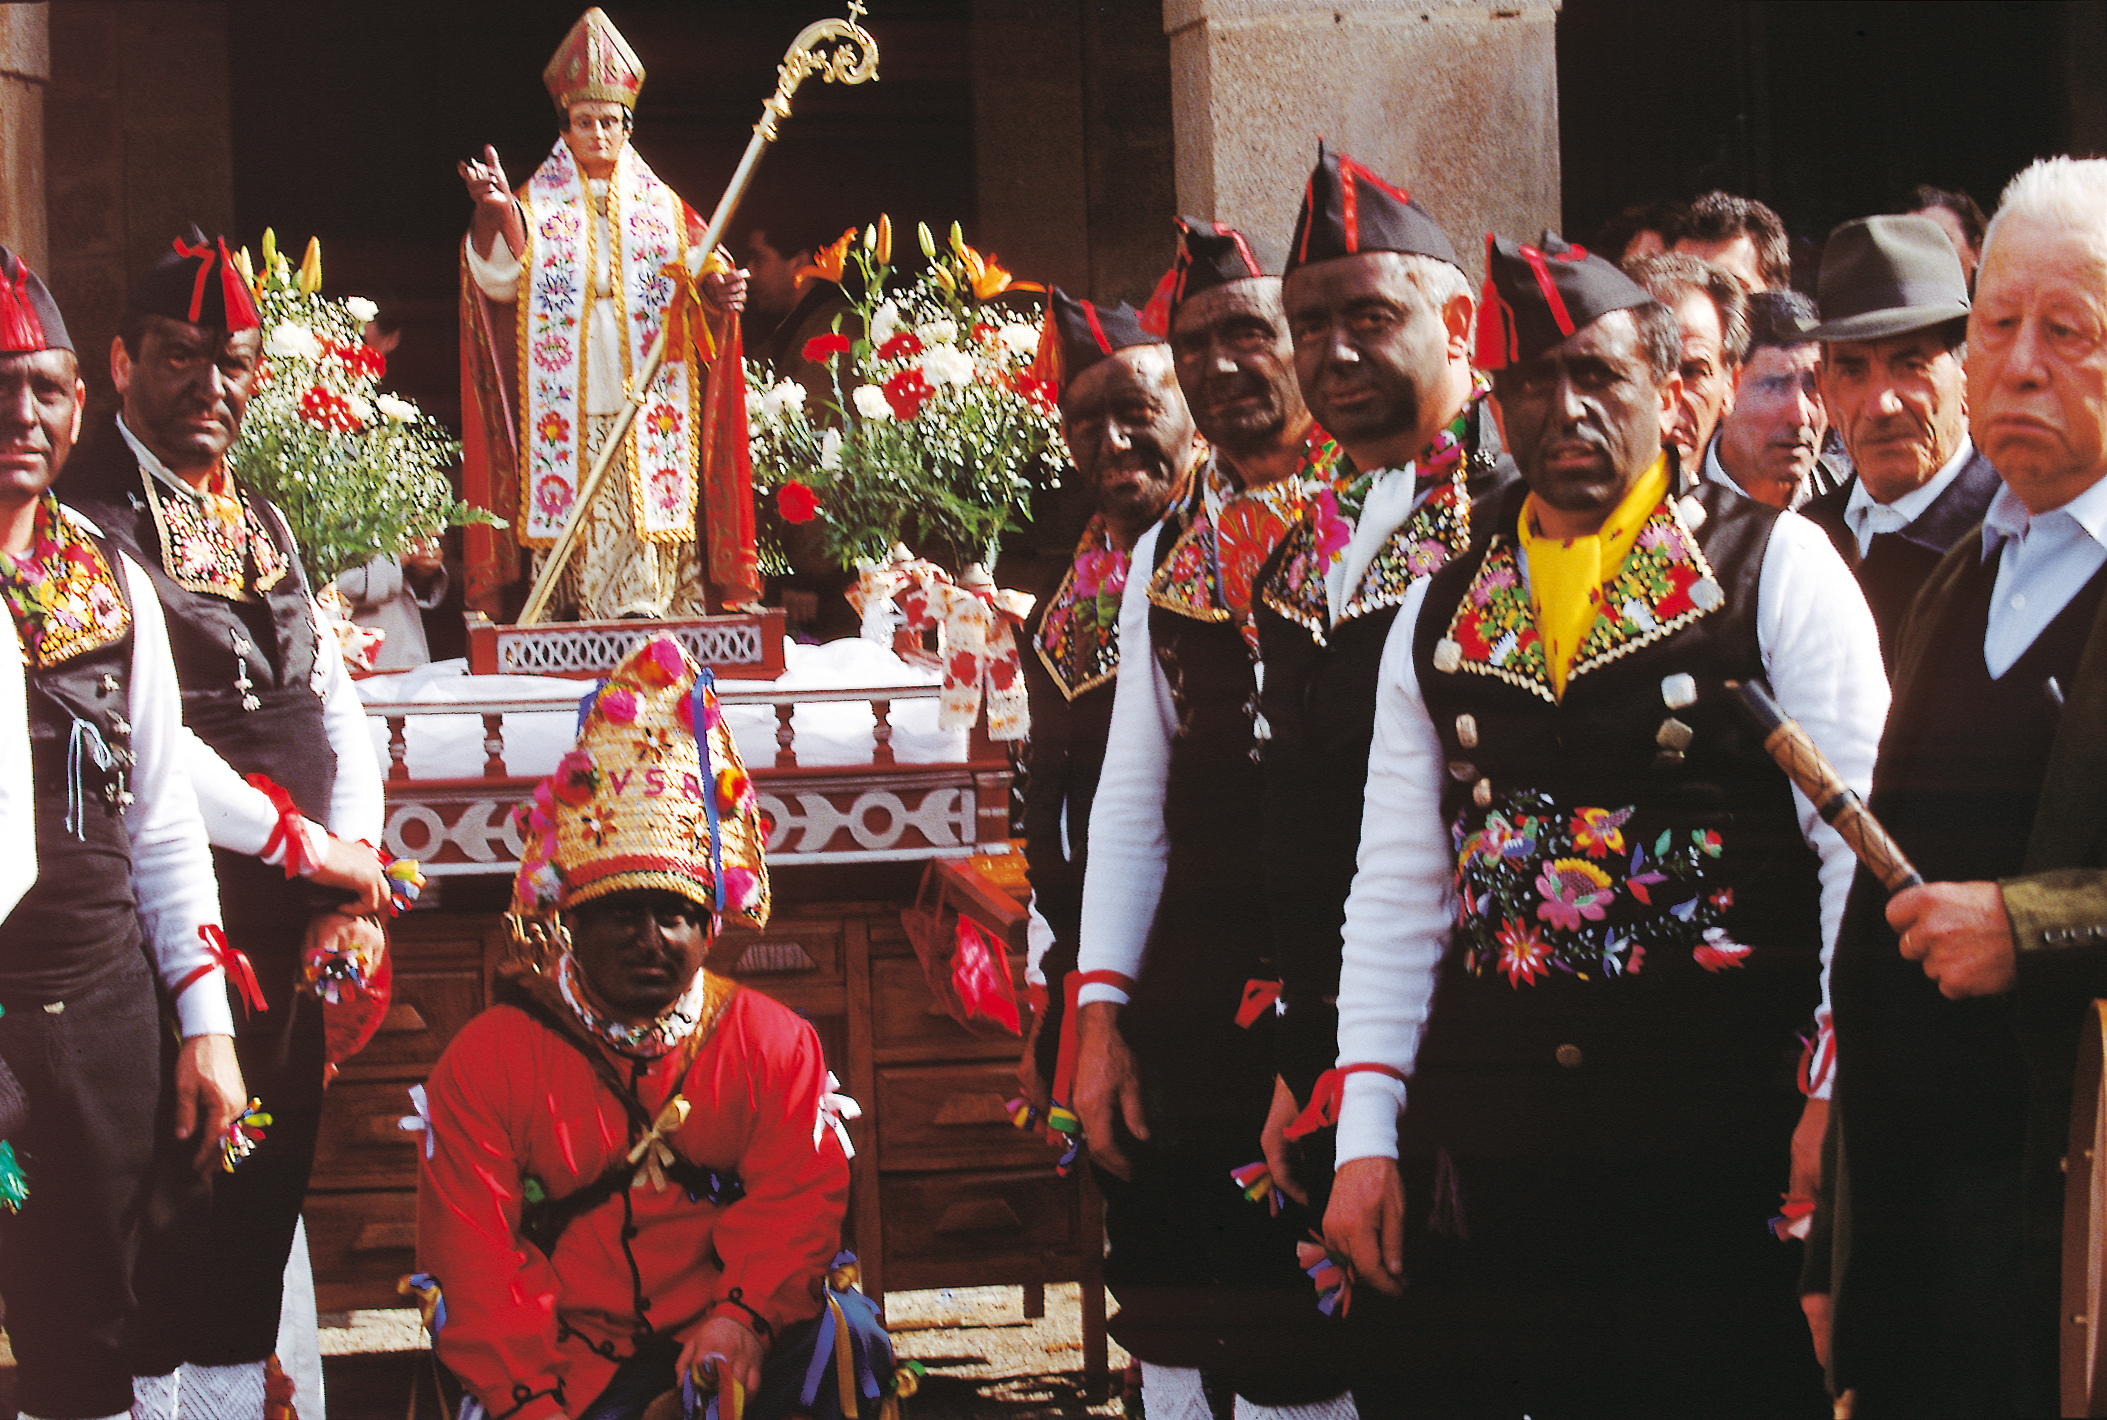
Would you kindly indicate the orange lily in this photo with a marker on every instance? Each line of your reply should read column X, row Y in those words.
column 828, row 264
column 884, row 250
column 985, row 274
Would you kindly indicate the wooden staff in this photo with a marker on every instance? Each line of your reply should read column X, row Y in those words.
column 839, row 51
column 1813, row 774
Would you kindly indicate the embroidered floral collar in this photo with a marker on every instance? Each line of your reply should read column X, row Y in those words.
column 63, row 591
column 209, row 538
column 1664, row 585
column 1210, row 573
column 1436, row 530
column 695, row 1012
column 1079, row 635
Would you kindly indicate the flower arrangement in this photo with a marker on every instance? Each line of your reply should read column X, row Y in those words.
column 355, row 471
column 933, row 431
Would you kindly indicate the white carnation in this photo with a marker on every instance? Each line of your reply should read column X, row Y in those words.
column 782, row 398
column 399, row 410
column 830, row 445
column 870, row 402
column 362, row 310
column 937, row 332
column 1021, row 338
column 293, row 341
column 885, row 323
column 756, row 405
column 947, row 365
column 361, row 408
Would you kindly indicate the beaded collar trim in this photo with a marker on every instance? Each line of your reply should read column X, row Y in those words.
column 1079, row 636
column 693, row 1015
column 208, row 542
column 1664, row 585
column 63, row 591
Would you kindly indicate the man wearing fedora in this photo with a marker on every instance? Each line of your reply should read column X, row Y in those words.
column 1958, row 1004
column 1894, row 330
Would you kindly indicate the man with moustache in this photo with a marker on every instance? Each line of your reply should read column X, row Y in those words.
column 1171, row 1091
column 1591, row 913
column 1711, row 311
column 1959, row 1003
column 1894, row 334
column 279, row 749
column 1134, row 448
column 126, row 881
column 1770, row 442
column 1379, row 316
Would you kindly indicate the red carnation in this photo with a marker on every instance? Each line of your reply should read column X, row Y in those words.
column 797, row 503
column 908, row 391
column 901, row 347
column 821, row 348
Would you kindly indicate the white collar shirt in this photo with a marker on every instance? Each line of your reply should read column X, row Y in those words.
column 2043, row 560
column 1868, row 519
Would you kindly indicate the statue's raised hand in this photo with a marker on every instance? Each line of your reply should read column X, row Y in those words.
column 496, row 212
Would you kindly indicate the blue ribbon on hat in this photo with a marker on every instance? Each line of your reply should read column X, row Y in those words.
column 705, row 684
column 586, row 702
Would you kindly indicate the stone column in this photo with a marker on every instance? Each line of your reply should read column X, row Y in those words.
column 25, row 69
column 1454, row 100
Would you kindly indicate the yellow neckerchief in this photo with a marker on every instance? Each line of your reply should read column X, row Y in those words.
column 1566, row 574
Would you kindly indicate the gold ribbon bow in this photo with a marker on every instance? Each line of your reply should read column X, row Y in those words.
column 685, row 322
column 651, row 1154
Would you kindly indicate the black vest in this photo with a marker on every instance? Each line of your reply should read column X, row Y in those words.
column 1683, row 1043
column 274, row 727
column 77, row 924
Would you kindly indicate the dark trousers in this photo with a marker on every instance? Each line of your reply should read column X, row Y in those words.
column 212, row 1271
column 91, row 1073
column 1593, row 1287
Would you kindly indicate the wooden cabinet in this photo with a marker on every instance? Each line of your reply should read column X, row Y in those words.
column 945, row 1191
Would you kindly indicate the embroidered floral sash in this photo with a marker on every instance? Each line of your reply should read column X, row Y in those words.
column 63, row 591
column 1663, row 586
column 1079, row 635
column 209, row 551
column 648, row 223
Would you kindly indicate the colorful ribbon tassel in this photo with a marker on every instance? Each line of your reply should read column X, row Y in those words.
column 243, row 1135
column 1256, row 1180
column 1333, row 1282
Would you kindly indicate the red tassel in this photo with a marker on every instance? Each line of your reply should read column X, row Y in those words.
column 1259, row 997
column 286, row 832
column 1322, row 1112
column 230, row 960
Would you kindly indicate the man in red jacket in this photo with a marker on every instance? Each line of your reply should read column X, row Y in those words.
column 628, row 1167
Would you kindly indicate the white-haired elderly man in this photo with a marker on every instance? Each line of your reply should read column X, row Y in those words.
column 1957, row 1004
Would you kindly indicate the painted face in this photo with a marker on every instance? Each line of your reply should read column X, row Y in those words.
column 2037, row 362
column 1586, row 418
column 185, row 389
column 1236, row 364
column 41, row 399
column 1900, row 405
column 639, row 950
column 597, row 132
column 1129, row 433
column 1773, row 434
column 1371, row 352
column 1708, row 381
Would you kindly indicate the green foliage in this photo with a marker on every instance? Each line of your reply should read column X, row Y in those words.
column 356, row 472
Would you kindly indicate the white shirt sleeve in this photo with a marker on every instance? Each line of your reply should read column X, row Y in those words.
column 1821, row 653
column 171, row 864
column 18, row 809
column 1399, row 913
column 1129, row 846
column 495, row 275
column 357, row 804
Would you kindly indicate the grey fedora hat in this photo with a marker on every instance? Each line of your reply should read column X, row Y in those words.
column 1884, row 276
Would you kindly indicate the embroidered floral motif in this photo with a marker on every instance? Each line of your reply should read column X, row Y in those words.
column 1438, row 529
column 63, row 592
column 1541, row 888
column 1079, row 635
column 1663, row 586
column 206, row 548
column 1208, row 576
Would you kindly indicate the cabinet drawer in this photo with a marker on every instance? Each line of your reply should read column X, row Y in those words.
column 906, row 1016
column 953, row 1116
column 427, row 1008
column 360, row 1145
column 792, row 950
column 1013, row 1219
column 361, row 1243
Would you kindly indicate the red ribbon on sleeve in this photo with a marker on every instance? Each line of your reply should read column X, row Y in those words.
column 231, row 960
column 1064, row 1061
column 298, row 861
column 1323, row 1109
column 1259, row 997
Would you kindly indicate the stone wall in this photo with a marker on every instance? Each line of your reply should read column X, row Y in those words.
column 25, row 69
column 1455, row 100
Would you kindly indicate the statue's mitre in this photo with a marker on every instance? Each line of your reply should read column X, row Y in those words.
column 594, row 62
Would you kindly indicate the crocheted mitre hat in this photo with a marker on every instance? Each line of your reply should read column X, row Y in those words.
column 639, row 804
column 594, row 62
